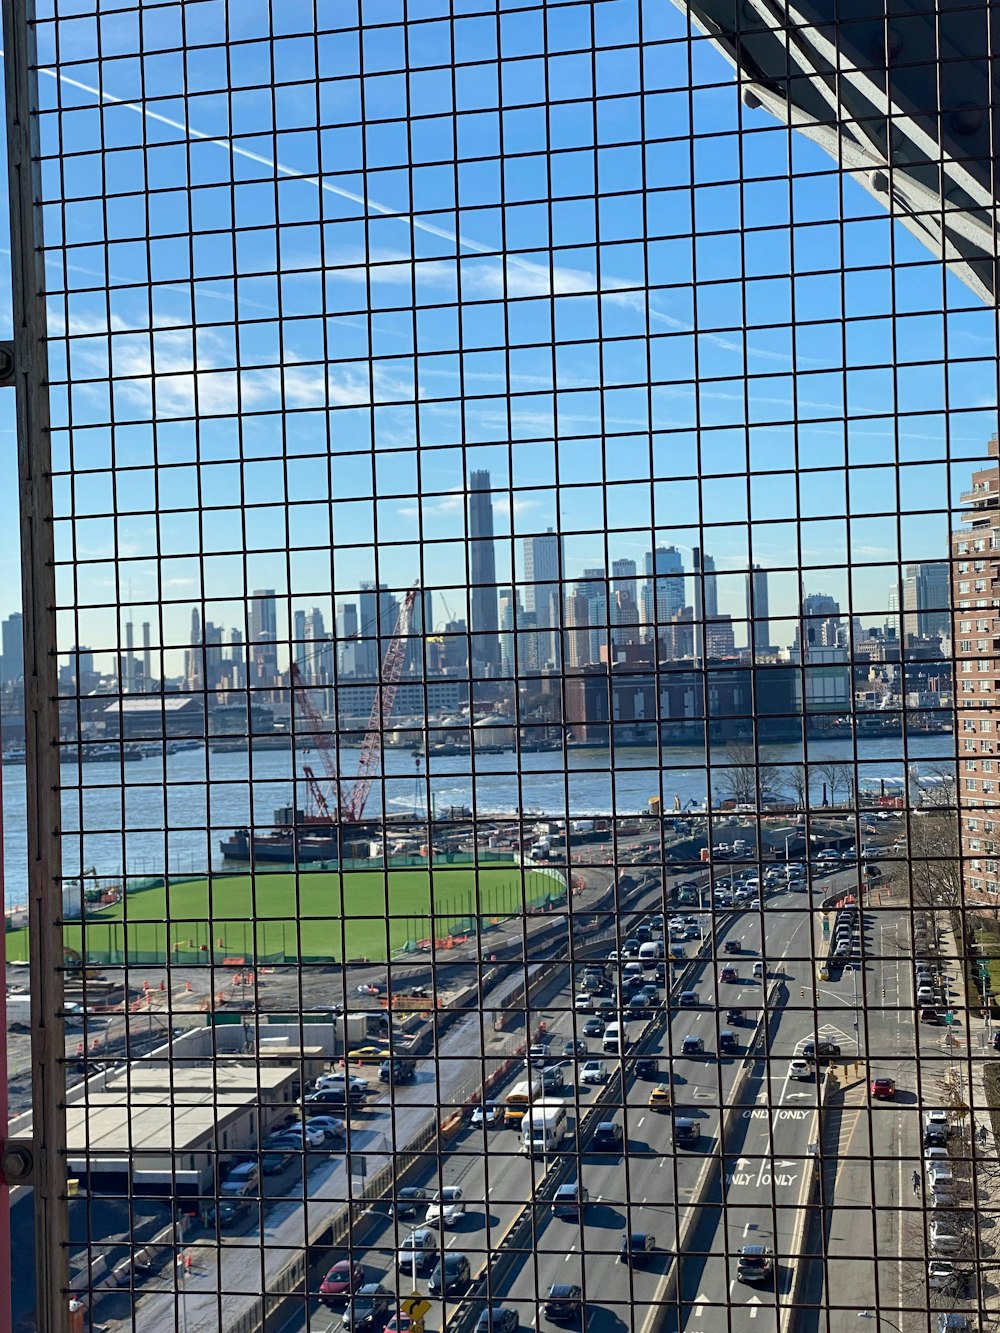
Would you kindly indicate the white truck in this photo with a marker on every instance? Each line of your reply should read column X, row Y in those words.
column 544, row 1128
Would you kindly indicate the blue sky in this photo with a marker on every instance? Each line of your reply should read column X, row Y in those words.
column 482, row 273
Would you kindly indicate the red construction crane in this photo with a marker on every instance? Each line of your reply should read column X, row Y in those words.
column 350, row 808
column 316, row 792
column 353, row 806
column 321, row 739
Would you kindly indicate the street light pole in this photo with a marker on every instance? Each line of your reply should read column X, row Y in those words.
column 867, row 1314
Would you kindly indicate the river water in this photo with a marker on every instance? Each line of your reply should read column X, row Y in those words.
column 199, row 796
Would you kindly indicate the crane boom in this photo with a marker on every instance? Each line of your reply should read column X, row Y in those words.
column 353, row 805
column 316, row 792
column 320, row 735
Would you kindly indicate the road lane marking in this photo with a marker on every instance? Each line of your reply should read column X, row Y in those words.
column 701, row 1300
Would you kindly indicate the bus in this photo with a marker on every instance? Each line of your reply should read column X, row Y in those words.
column 544, row 1127
column 520, row 1097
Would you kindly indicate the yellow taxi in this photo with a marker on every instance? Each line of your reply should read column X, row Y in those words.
column 366, row 1055
column 660, row 1098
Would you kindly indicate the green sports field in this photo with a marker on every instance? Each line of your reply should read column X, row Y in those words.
column 363, row 914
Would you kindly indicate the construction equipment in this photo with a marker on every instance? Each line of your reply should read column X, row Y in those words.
column 350, row 808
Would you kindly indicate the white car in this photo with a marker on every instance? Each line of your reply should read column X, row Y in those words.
column 944, row 1238
column 594, row 1071
column 800, row 1069
column 299, row 1133
column 328, row 1125
column 938, row 1120
column 446, row 1207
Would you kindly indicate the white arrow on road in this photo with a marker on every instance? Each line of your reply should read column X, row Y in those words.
column 753, row 1302
column 700, row 1302
column 783, row 1163
column 795, row 1096
column 742, row 1163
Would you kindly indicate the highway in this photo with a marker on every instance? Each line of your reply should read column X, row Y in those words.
column 758, row 1171
column 721, row 1194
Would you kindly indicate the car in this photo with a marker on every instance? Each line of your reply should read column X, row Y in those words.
column 821, row 1050
column 935, row 1153
column 538, row 1055
column 446, row 1207
column 341, row 1282
column 687, row 1132
column 941, row 1275
column 754, row 905
column 732, row 946
column 497, row 1319
column 276, row 1162
column 302, row 1134
column 945, row 1238
column 404, row 1323
column 929, row 1016
column 800, row 1069
column 366, row 1055
column 490, row 1114
column 688, row 999
column 636, row 1248
column 594, row 1071
column 759, row 970
column 572, row 1049
column 954, row 1321
column 231, row 1212
column 728, row 1044
column 452, row 1272
column 735, row 1017
column 418, row 1250
column 938, row 1119
column 593, row 1028
column 729, row 973
column 563, row 1303
column 884, row 1088
column 661, row 1098
column 583, row 1002
column 647, row 1066
column 935, row 1138
column 608, row 1136
column 243, row 1179
column 408, row 1201
column 368, row 1308
column 331, row 1126
column 754, row 1263
column 400, row 1069
column 570, row 1200
column 692, row 1045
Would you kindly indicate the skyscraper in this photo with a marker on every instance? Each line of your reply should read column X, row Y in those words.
column 663, row 589
column 12, row 662
column 594, row 588
column 926, row 597
column 263, row 645
column 758, row 622
column 541, row 594
column 300, row 653
column 193, row 655
column 482, row 574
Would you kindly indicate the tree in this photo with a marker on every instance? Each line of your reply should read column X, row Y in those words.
column 835, row 777
column 743, row 780
column 796, row 781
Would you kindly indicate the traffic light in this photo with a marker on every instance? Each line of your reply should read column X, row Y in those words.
column 802, row 992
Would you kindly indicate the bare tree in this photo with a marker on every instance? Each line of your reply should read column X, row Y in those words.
column 796, row 781
column 836, row 777
column 743, row 780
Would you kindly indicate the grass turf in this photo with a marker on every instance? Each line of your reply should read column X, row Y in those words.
column 318, row 914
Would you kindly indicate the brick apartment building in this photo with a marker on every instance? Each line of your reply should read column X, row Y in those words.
column 975, row 576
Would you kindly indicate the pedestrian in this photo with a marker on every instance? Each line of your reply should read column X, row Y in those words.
column 983, row 1135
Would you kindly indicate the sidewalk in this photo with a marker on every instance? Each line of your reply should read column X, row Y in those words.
column 969, row 1043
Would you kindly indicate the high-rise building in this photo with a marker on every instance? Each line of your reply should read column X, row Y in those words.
column 147, row 659
column 237, row 670
column 482, row 574
column 821, row 623
column 663, row 589
column 975, row 550
column 507, row 608
column 193, row 655
column 12, row 662
column 541, row 595
column 923, row 597
column 758, row 611
column 594, row 587
column 577, row 632
column 263, row 645
column 300, row 653
column 623, row 578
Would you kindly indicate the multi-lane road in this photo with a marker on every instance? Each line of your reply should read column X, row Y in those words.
column 769, row 1145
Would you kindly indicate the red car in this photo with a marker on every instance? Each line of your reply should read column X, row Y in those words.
column 884, row 1087
column 342, row 1281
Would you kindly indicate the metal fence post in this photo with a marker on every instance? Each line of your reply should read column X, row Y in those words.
column 28, row 374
